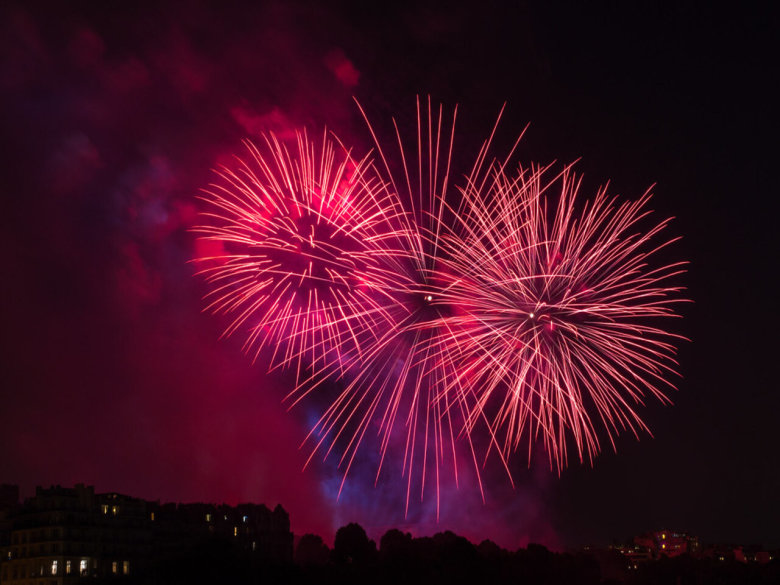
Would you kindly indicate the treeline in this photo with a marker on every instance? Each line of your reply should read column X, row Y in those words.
column 444, row 558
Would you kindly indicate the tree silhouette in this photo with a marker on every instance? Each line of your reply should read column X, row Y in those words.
column 352, row 546
column 312, row 550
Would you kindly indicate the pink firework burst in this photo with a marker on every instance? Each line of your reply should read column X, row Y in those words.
column 559, row 330
column 323, row 260
column 433, row 320
column 296, row 230
column 394, row 395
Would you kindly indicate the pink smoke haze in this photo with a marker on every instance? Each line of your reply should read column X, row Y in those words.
column 114, row 118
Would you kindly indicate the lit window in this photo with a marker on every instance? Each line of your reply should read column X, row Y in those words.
column 115, row 510
column 125, row 567
column 245, row 519
column 67, row 567
column 254, row 545
column 114, row 567
column 105, row 508
column 235, row 530
column 152, row 516
column 208, row 517
column 83, row 566
column 54, row 567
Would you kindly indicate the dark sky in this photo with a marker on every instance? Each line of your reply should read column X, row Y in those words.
column 113, row 117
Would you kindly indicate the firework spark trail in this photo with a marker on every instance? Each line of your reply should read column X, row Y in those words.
column 558, row 312
column 396, row 386
column 330, row 263
column 299, row 230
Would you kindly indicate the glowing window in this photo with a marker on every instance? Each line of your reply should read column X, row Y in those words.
column 67, row 567
column 152, row 516
column 235, row 530
column 114, row 567
column 208, row 517
column 125, row 567
column 115, row 510
column 105, row 508
column 54, row 567
column 83, row 566
column 245, row 519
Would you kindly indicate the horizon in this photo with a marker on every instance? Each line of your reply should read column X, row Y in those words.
column 414, row 529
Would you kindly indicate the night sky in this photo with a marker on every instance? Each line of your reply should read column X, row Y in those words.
column 111, row 373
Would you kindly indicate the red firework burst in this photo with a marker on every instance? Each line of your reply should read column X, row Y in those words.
column 559, row 326
column 508, row 309
column 323, row 258
column 396, row 388
column 297, row 230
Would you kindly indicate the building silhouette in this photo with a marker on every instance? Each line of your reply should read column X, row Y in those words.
column 668, row 543
column 63, row 535
column 251, row 528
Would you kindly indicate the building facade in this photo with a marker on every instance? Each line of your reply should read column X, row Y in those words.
column 252, row 528
column 668, row 543
column 64, row 535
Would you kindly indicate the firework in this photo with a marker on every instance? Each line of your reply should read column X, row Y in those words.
column 296, row 229
column 323, row 259
column 558, row 332
column 396, row 390
column 427, row 318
